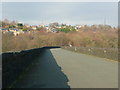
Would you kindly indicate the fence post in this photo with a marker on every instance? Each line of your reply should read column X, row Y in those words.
column 75, row 49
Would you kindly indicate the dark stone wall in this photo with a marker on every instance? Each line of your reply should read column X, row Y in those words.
column 14, row 63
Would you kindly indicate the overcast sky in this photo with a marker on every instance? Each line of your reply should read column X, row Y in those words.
column 35, row 13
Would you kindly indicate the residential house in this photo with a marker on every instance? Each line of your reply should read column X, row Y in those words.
column 78, row 27
column 54, row 30
column 34, row 27
column 15, row 31
column 5, row 30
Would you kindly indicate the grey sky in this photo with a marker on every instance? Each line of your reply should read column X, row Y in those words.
column 62, row 12
column 60, row 0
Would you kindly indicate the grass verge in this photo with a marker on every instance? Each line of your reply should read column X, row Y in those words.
column 109, row 53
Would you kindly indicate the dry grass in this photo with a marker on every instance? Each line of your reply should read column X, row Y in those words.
column 109, row 53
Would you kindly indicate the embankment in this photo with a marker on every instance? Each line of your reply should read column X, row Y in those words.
column 14, row 63
column 109, row 53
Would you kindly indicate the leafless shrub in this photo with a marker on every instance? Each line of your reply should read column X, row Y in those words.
column 36, row 39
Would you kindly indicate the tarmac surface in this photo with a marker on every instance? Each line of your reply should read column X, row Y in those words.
column 58, row 68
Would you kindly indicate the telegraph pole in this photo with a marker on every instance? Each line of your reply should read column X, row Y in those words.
column 104, row 21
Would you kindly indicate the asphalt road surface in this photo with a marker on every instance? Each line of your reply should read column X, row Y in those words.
column 58, row 68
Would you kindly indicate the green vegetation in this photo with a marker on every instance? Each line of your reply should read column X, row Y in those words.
column 66, row 30
column 25, row 29
column 20, row 24
column 12, row 26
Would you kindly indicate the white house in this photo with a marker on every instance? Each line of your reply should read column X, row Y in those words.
column 34, row 27
column 78, row 27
